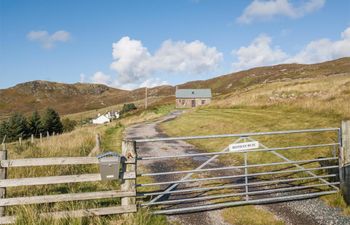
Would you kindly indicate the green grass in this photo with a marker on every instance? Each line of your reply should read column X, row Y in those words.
column 250, row 215
column 239, row 119
column 80, row 142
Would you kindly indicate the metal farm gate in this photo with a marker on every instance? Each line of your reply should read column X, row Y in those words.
column 252, row 168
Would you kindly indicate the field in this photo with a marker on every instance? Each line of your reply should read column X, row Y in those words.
column 80, row 142
column 206, row 121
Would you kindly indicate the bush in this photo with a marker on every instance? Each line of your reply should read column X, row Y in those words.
column 127, row 108
column 68, row 124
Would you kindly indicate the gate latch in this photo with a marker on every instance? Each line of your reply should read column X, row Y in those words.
column 109, row 165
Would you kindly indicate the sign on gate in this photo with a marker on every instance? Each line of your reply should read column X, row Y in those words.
column 236, row 147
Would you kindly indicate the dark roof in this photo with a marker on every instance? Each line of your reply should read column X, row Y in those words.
column 193, row 93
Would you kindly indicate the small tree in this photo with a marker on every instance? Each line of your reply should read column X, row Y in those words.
column 127, row 108
column 17, row 127
column 68, row 125
column 34, row 124
column 4, row 130
column 51, row 121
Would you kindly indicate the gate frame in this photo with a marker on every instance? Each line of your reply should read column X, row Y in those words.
column 244, row 137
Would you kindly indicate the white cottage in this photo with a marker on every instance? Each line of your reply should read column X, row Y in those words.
column 101, row 120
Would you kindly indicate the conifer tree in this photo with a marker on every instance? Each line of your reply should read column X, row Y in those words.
column 17, row 127
column 51, row 121
column 34, row 124
column 4, row 129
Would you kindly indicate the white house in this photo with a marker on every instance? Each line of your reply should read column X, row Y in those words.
column 101, row 120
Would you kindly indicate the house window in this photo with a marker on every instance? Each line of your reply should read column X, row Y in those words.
column 203, row 102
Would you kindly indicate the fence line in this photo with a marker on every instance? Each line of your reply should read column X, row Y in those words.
column 127, row 192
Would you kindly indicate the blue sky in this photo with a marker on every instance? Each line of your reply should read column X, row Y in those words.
column 128, row 44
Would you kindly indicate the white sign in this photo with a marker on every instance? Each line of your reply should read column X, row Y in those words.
column 243, row 146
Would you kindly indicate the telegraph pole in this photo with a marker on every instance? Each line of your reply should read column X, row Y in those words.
column 146, row 98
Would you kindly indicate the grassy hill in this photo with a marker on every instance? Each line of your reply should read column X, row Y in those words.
column 262, row 85
column 68, row 98
column 261, row 75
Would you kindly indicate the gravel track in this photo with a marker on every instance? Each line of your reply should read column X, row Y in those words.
column 308, row 212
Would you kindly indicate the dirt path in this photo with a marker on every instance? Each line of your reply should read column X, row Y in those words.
column 308, row 212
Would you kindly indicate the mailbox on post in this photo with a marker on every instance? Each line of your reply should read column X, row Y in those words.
column 109, row 166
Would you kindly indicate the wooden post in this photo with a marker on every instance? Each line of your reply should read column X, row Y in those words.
column 41, row 138
column 3, row 175
column 344, row 158
column 20, row 141
column 47, row 134
column 98, row 143
column 32, row 138
column 129, row 152
column 146, row 98
column 345, row 128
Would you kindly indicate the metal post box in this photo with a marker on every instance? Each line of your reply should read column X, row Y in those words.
column 109, row 166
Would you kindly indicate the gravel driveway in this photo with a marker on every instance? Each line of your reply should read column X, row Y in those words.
column 308, row 212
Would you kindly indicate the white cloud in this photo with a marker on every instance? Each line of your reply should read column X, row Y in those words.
column 267, row 9
column 323, row 50
column 261, row 52
column 134, row 64
column 46, row 40
column 131, row 60
column 258, row 53
column 101, row 78
column 153, row 82
column 182, row 57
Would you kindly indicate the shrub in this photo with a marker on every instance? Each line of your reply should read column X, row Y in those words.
column 68, row 124
column 127, row 108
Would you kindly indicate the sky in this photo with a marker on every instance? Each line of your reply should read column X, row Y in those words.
column 131, row 44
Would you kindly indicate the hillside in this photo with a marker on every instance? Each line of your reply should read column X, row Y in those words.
column 234, row 81
column 80, row 97
column 68, row 98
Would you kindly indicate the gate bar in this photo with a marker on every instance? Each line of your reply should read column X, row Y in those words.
column 267, row 191
column 238, row 176
column 296, row 165
column 235, row 167
column 233, row 185
column 243, row 151
column 246, row 179
column 236, row 135
column 190, row 174
column 255, row 201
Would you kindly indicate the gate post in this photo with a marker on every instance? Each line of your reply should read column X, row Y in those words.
column 3, row 175
column 344, row 159
column 129, row 152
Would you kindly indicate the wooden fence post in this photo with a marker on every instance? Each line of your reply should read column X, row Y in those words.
column 3, row 175
column 20, row 141
column 344, row 158
column 129, row 152
column 98, row 143
column 32, row 138
column 41, row 138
